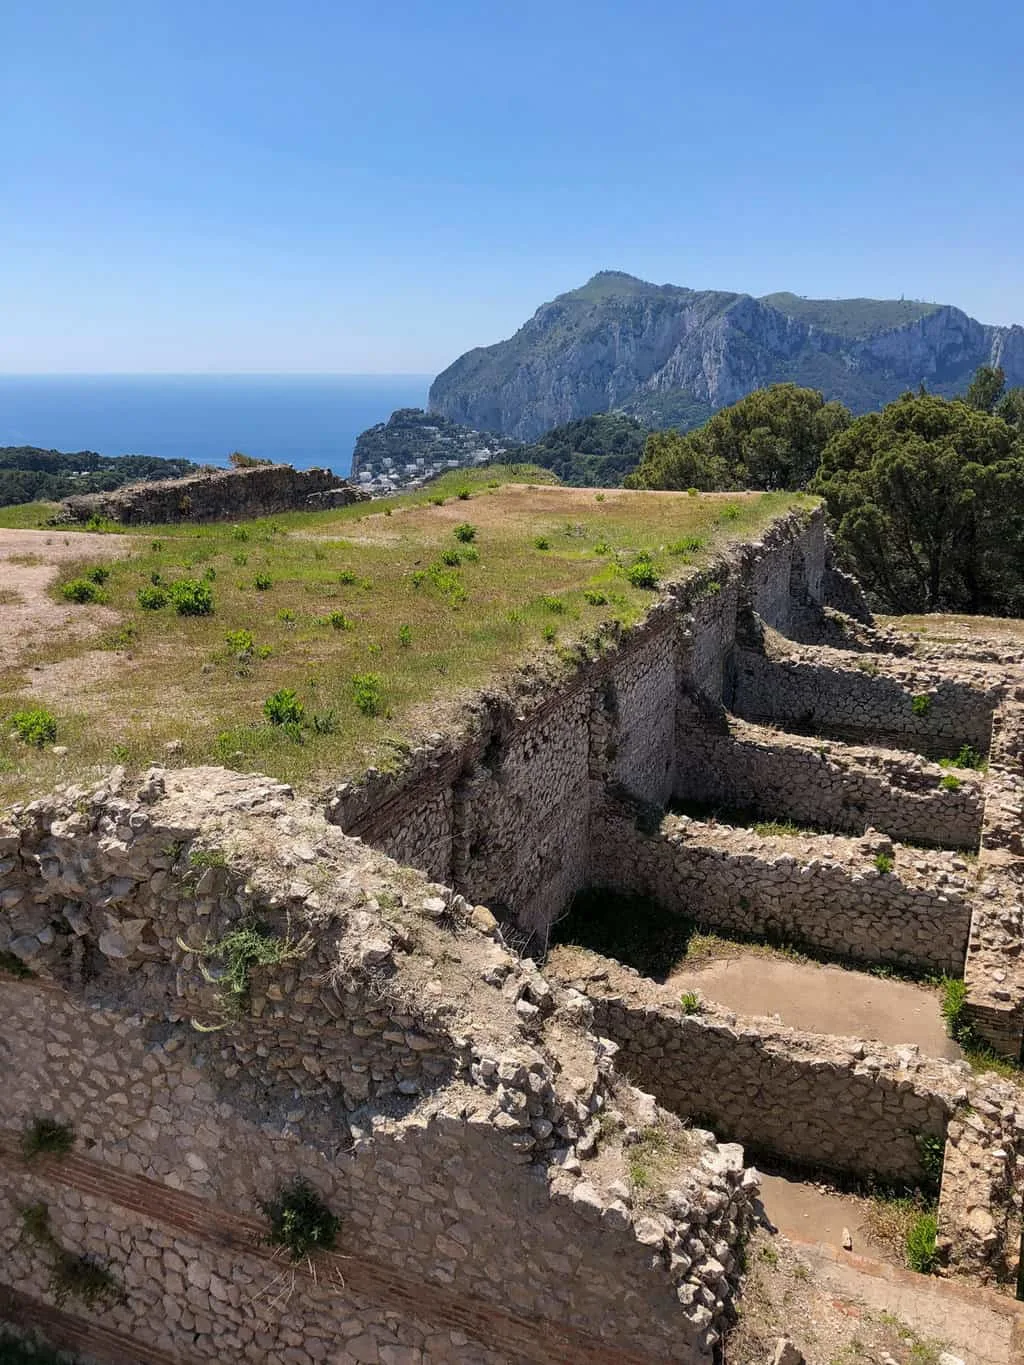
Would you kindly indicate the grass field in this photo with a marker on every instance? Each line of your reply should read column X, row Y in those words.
column 377, row 617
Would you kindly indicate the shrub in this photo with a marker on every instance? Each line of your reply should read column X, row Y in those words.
column 549, row 634
column 692, row 492
column 191, row 597
column 339, row 621
column 436, row 501
column 418, row 577
column 405, row 636
column 690, row 1002
column 325, row 723
column 921, row 1251
column 730, row 512
column 602, row 548
column 463, row 494
column 451, row 557
column 84, row 1278
column 551, row 603
column 152, row 598
column 921, row 704
column 284, row 708
column 595, row 598
column 470, row 554
column 687, row 546
column 239, row 533
column 368, row 693
column 240, row 559
column 81, row 590
column 35, row 726
column 98, row 575
column 931, row 1150
column 209, row 573
column 263, row 582
column 949, row 783
column 47, row 1136
column 968, row 757
column 541, row 543
column 348, row 577
column 250, row 945
column 287, row 616
column 642, row 574
column 465, row 532
column 300, row 1221
column 599, row 497
column 883, row 862
column 240, row 642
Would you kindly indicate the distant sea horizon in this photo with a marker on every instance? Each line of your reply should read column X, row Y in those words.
column 305, row 420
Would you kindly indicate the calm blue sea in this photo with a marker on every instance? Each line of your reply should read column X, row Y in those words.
column 302, row 419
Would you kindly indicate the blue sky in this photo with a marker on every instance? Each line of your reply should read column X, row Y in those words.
column 328, row 186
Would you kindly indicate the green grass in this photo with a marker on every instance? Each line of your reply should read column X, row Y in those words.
column 341, row 581
column 977, row 1053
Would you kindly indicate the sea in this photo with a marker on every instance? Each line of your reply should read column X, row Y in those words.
column 305, row 420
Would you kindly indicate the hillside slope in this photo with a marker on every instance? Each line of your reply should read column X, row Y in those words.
column 671, row 355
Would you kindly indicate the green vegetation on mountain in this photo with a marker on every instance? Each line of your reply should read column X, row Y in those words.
column 850, row 318
column 593, row 452
column 773, row 438
column 28, row 474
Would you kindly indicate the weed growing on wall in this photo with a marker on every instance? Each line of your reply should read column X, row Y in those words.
column 883, row 863
column 968, row 757
column 72, row 1275
column 300, row 1221
column 46, row 1136
column 921, row 705
column 931, row 1151
column 689, row 1002
column 237, row 953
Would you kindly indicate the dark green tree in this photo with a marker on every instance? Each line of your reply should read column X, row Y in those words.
column 986, row 388
column 927, row 498
column 772, row 438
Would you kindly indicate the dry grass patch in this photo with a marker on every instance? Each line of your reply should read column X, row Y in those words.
column 377, row 616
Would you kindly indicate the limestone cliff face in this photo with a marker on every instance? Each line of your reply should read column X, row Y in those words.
column 660, row 350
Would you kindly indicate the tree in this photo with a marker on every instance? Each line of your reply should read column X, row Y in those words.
column 986, row 388
column 927, row 498
column 772, row 438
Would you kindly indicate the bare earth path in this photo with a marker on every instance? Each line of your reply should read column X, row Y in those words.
column 809, row 995
column 29, row 562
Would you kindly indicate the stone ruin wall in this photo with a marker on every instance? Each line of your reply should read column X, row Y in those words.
column 217, row 495
column 447, row 1121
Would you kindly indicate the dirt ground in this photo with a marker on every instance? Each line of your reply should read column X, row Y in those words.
column 823, row 999
column 29, row 617
column 842, row 1309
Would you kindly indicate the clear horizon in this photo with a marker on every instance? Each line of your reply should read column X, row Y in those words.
column 376, row 190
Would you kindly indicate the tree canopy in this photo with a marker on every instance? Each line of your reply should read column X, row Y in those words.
column 927, row 498
column 772, row 438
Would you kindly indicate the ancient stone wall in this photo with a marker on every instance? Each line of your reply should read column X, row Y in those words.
column 837, row 1103
column 738, row 766
column 434, row 1089
column 217, row 495
column 822, row 892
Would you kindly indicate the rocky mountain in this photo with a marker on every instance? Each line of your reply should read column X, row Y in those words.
column 672, row 356
column 413, row 446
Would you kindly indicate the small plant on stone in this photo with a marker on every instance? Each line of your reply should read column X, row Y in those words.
column 300, row 1221
column 251, row 945
column 191, row 597
column 883, row 863
column 152, row 598
column 921, row 1251
column 284, row 708
column 368, row 693
column 81, row 590
column 203, row 858
column 47, row 1137
column 921, row 704
column 13, row 965
column 949, row 783
column 690, row 1002
column 465, row 532
column 35, row 726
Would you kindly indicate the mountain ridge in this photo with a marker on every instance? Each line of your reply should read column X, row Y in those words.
column 622, row 343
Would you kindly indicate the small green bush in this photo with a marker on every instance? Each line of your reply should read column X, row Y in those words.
column 368, row 693
column 348, row 577
column 883, row 862
column 405, row 636
column 263, row 582
column 541, row 543
column 84, row 1278
column 730, row 512
column 949, row 783
column 325, row 723
column 339, row 621
column 549, row 634
column 470, row 554
column 240, row 559
column 463, row 494
column 287, row 616
column 599, row 497
column 284, row 708
column 687, row 546
column 98, row 575
column 240, row 642
column 300, row 1221
column 209, row 573
column 451, row 557
column 921, row 704
column 81, row 590
column 602, row 548
column 642, row 574
column 152, row 598
column 551, row 603
column 418, row 577
column 465, row 532
column 968, row 757
column 690, row 1002
column 595, row 598
column 47, row 1136
column 436, row 501
column 692, row 492
column 239, row 533
column 191, row 597
column 35, row 726
column 922, row 1255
